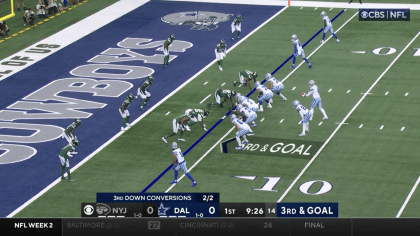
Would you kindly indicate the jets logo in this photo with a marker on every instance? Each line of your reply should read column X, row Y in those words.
column 198, row 20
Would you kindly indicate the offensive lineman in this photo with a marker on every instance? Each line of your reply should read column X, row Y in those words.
column 236, row 25
column 225, row 94
column 327, row 27
column 179, row 158
column 165, row 49
column 249, row 75
column 196, row 115
column 314, row 91
column 298, row 52
column 69, row 133
column 304, row 114
column 65, row 153
column 265, row 94
column 242, row 129
column 248, row 116
column 143, row 92
column 177, row 124
column 220, row 53
column 275, row 86
column 124, row 112
column 248, row 102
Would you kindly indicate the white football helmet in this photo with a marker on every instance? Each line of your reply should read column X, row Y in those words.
column 241, row 99
column 294, row 37
column 257, row 83
column 239, row 107
column 232, row 117
column 238, row 96
column 323, row 13
column 295, row 103
column 174, row 145
column 311, row 83
column 267, row 76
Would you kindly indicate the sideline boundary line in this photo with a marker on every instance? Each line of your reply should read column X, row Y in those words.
column 345, row 118
column 408, row 198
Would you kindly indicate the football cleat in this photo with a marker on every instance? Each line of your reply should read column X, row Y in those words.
column 181, row 139
column 63, row 178
column 220, row 68
column 310, row 118
column 254, row 125
column 337, row 41
column 145, row 104
column 269, row 105
column 238, row 148
column 260, row 110
column 245, row 142
column 187, row 128
column 164, row 140
column 233, row 39
column 284, row 99
column 141, row 109
column 239, row 37
column 322, row 41
column 194, row 184
column 122, row 129
column 271, row 100
column 165, row 65
column 72, row 180
column 173, row 182
column 302, row 135
column 250, row 134
column 292, row 67
column 325, row 118
column 310, row 66
column 128, row 125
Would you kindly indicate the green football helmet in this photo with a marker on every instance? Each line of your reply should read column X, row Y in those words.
column 75, row 142
column 150, row 78
column 172, row 36
column 255, row 74
column 232, row 93
column 131, row 96
column 239, row 16
column 78, row 121
column 223, row 42
column 206, row 112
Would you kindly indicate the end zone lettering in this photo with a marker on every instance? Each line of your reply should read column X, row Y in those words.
column 384, row 14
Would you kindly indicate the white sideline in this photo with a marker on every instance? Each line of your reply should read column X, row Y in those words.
column 344, row 120
column 408, row 198
column 208, row 151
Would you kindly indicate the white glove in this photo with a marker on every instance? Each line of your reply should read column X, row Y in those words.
column 68, row 154
column 136, row 97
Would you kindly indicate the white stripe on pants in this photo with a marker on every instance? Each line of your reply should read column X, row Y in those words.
column 182, row 166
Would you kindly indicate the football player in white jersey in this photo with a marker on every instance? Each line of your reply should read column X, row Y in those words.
column 298, row 52
column 179, row 163
column 314, row 91
column 248, row 115
column 275, row 86
column 327, row 27
column 249, row 103
column 265, row 94
column 242, row 129
column 305, row 114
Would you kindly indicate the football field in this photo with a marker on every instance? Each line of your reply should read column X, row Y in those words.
column 365, row 156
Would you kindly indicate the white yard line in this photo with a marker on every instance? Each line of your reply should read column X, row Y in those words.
column 205, row 98
column 382, row 126
column 285, row 78
column 406, row 94
column 344, row 120
column 329, row 90
column 281, row 121
column 167, row 113
column 348, row 91
column 386, row 93
column 402, row 128
column 223, row 84
column 360, row 126
column 262, row 119
column 408, row 197
column 205, row 83
column 320, row 123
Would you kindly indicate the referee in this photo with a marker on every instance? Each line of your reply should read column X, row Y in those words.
column 352, row 1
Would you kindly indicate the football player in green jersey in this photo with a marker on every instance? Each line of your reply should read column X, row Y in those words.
column 249, row 75
column 227, row 96
column 65, row 153
column 124, row 112
column 144, row 93
column 196, row 115
column 220, row 53
column 177, row 124
column 69, row 133
column 236, row 25
column 165, row 49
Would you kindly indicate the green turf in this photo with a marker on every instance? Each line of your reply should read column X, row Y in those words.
column 34, row 34
column 371, row 170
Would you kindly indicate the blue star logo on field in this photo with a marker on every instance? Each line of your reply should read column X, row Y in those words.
column 162, row 209
column 198, row 20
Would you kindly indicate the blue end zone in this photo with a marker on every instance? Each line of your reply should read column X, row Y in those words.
column 21, row 181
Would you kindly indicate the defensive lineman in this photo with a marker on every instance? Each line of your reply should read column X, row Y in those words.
column 69, row 133
column 196, row 115
column 242, row 129
column 327, row 27
column 275, row 86
column 179, row 163
column 265, row 94
column 249, row 75
column 236, row 25
column 220, row 53
column 298, row 52
column 65, row 153
column 314, row 91
column 124, row 112
column 224, row 94
column 143, row 92
column 165, row 49
column 305, row 114
column 177, row 124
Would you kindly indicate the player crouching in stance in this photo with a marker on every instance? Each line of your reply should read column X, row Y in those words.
column 69, row 133
column 242, row 129
column 327, row 27
column 249, row 75
column 225, row 94
column 275, row 86
column 298, row 52
column 196, row 115
column 179, row 163
column 305, row 115
column 64, row 155
column 247, row 102
column 177, row 123
column 314, row 91
column 265, row 94
column 124, row 112
column 165, row 49
column 248, row 116
column 236, row 25
column 220, row 53
column 144, row 93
